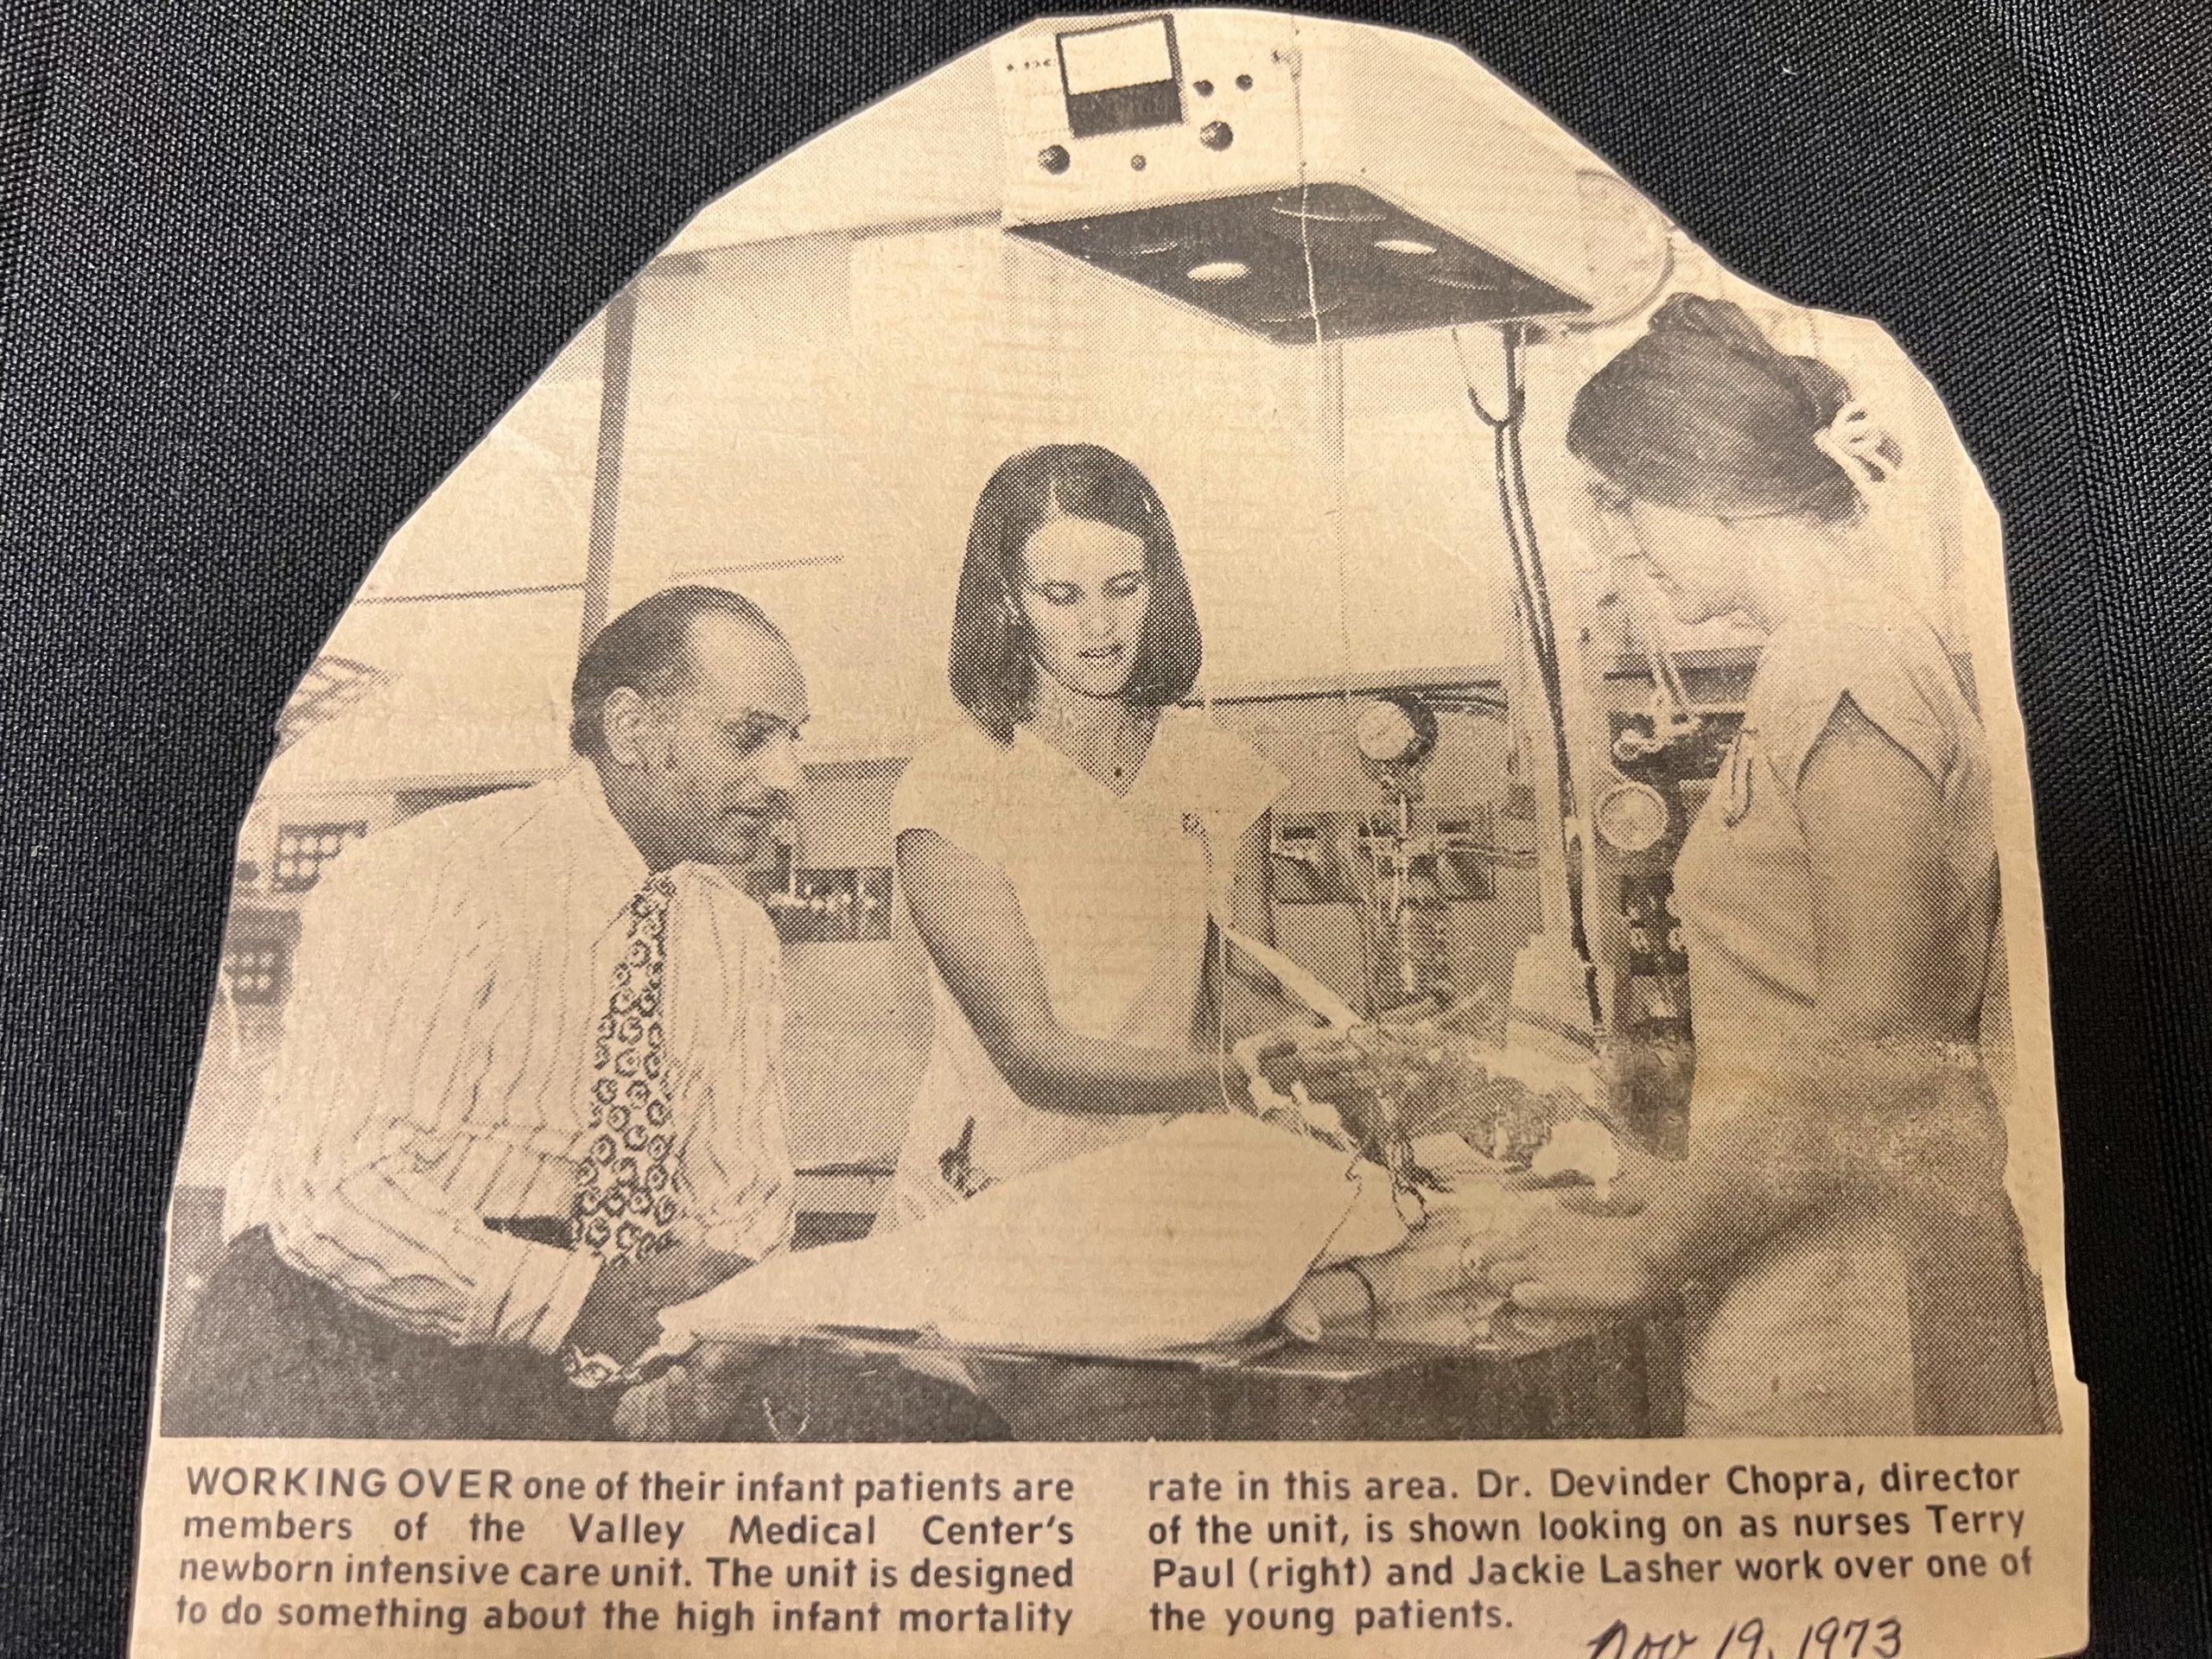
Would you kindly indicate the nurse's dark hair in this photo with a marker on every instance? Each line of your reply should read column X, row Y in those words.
column 1704, row 414
column 994, row 670
column 648, row 650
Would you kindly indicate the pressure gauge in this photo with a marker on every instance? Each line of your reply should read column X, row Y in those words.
column 1395, row 731
column 1632, row 817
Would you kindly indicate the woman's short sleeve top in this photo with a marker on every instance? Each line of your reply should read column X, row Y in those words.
column 1745, row 883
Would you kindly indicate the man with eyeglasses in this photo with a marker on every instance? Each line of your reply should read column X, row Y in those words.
column 530, row 1092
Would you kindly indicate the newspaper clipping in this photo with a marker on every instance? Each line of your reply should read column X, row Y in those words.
column 1183, row 855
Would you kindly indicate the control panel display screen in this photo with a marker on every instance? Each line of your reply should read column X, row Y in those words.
column 1128, row 54
column 1122, row 78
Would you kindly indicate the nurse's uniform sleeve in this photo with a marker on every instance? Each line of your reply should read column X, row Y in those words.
column 954, row 787
column 1895, row 674
column 1228, row 780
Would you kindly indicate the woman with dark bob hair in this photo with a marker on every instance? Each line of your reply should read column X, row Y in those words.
column 1067, row 850
column 1853, row 1261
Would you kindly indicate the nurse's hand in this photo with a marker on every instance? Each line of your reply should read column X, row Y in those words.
column 1555, row 1261
column 1347, row 1069
column 1642, row 1180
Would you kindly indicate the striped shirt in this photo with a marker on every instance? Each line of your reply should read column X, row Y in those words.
column 437, row 1061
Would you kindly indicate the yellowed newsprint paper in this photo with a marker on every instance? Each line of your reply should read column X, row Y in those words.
column 1184, row 856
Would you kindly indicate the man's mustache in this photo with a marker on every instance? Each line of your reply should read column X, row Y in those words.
column 776, row 804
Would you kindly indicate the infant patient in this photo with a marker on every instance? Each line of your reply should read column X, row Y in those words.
column 1476, row 1130
column 1425, row 1072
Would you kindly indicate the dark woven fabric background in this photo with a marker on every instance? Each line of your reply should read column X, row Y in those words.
column 271, row 266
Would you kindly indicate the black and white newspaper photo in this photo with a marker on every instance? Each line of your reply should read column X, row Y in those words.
column 1185, row 854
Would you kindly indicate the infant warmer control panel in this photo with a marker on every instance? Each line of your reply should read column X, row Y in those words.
column 1202, row 156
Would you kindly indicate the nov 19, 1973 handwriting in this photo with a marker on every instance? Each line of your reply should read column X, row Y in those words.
column 1832, row 1638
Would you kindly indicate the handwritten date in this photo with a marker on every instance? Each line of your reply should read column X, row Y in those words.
column 1832, row 1637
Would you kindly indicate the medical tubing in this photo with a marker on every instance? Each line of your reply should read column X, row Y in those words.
column 1527, row 593
column 1503, row 427
column 1555, row 682
column 1507, row 516
column 1536, row 603
column 1666, row 673
column 1514, row 494
column 1335, row 515
column 1516, row 391
column 1505, row 430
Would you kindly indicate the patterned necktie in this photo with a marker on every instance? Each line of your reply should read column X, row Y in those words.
column 628, row 1191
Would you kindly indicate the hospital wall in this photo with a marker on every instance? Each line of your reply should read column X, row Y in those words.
column 809, row 420
column 812, row 421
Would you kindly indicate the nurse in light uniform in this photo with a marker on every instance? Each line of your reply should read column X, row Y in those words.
column 1065, row 850
column 1854, row 1263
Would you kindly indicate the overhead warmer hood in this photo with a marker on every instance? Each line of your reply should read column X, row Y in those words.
column 1303, row 196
